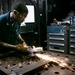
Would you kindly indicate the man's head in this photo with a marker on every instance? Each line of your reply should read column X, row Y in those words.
column 20, row 11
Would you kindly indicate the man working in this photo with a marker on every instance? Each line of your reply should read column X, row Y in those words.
column 10, row 37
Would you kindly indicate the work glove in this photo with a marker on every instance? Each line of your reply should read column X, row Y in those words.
column 21, row 47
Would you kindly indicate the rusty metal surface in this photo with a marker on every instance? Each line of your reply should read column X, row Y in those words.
column 57, row 71
column 21, row 64
column 3, row 71
column 31, row 69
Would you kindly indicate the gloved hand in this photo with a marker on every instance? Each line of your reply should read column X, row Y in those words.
column 21, row 47
column 25, row 49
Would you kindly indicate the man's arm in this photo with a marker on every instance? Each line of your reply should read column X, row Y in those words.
column 22, row 40
column 6, row 45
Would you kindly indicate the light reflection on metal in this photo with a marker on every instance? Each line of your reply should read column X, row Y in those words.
column 58, row 60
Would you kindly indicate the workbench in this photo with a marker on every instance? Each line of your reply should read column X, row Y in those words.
column 14, row 63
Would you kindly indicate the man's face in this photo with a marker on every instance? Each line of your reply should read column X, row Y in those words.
column 21, row 17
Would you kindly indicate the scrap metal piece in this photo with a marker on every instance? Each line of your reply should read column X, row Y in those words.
column 4, row 71
column 31, row 69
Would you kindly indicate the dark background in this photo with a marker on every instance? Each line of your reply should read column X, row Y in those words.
column 45, row 12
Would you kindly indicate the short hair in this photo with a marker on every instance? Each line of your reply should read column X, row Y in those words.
column 20, row 7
